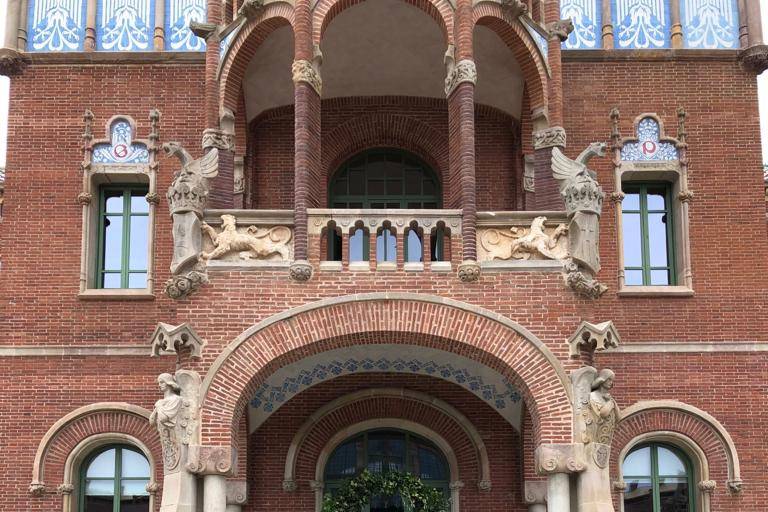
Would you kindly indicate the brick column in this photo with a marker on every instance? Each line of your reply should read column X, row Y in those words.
column 307, row 90
column 460, row 90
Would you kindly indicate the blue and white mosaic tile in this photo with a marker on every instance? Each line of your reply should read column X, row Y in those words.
column 648, row 146
column 710, row 24
column 641, row 24
column 56, row 25
column 122, row 149
column 587, row 24
column 539, row 39
column 178, row 15
column 125, row 25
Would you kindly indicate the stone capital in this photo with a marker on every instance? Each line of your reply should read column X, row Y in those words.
column 300, row 270
column 12, row 62
column 754, row 58
column 469, row 271
column 559, row 458
column 237, row 492
column 535, row 492
column 305, row 71
column 219, row 139
column 549, row 138
column 707, row 486
column 211, row 460
column 463, row 71
column 560, row 29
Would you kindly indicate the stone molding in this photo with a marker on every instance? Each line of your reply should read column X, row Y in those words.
column 211, row 460
column 170, row 339
column 237, row 492
column 375, row 219
column 754, row 59
column 560, row 458
column 464, row 71
column 469, row 271
column 535, row 492
column 305, row 71
column 594, row 337
column 12, row 62
column 549, row 138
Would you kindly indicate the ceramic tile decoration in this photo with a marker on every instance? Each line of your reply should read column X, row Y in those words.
column 586, row 17
column 641, row 24
column 125, row 25
column 710, row 24
column 178, row 15
column 56, row 25
column 122, row 149
column 648, row 146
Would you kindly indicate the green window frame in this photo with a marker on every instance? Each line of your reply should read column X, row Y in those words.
column 636, row 205
column 117, row 476
column 385, row 178
column 412, row 443
column 657, row 480
column 133, row 206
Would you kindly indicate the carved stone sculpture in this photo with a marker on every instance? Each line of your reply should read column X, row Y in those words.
column 596, row 337
column 259, row 243
column 250, row 8
column 525, row 244
column 549, row 138
column 560, row 29
column 12, row 62
column 309, row 72
column 469, row 271
column 596, row 415
column 514, row 8
column 172, row 338
column 463, row 71
column 176, row 418
column 187, row 197
column 583, row 199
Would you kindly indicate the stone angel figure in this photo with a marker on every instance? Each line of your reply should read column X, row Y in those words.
column 175, row 415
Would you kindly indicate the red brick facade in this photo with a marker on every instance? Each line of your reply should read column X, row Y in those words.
column 62, row 352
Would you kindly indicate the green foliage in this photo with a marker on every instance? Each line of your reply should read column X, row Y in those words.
column 356, row 493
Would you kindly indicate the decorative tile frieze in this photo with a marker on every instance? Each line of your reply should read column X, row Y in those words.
column 587, row 24
column 179, row 14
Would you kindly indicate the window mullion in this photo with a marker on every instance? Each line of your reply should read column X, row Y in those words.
column 655, row 479
column 126, row 238
column 671, row 263
column 118, row 473
column 646, row 256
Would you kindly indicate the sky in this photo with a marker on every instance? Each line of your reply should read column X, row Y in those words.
column 762, row 84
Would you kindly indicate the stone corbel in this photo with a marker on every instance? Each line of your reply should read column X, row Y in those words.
column 597, row 337
column 514, row 8
column 12, row 62
column 37, row 489
column 469, row 271
column 535, row 492
column 203, row 30
column 560, row 29
column 237, row 492
column 619, row 486
column 219, row 139
column 735, row 486
column 211, row 460
column 65, row 489
column 309, row 72
column 171, row 339
column 754, row 59
column 549, row 138
column 463, row 71
column 250, row 9
column 559, row 458
column 300, row 270
column 289, row 485
column 707, row 486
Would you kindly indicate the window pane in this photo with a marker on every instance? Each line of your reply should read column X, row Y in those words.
column 413, row 182
column 343, row 462
column 657, row 198
column 633, row 253
column 386, row 452
column 137, row 280
column 99, row 504
column 394, row 187
column 100, row 487
column 131, row 488
column 103, row 466
column 631, row 202
column 633, row 277
column 431, row 465
column 138, row 245
column 113, row 243
column 376, row 187
column 389, row 504
column 113, row 201
column 414, row 247
column 429, row 187
column 638, row 496
column 139, row 203
column 111, row 281
column 638, row 463
column 660, row 278
column 657, row 239
column 135, row 504
column 356, row 183
column 436, row 242
column 669, row 463
column 135, row 465
column 356, row 246
column 673, row 495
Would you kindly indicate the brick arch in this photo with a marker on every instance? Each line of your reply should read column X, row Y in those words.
column 243, row 48
column 518, row 40
column 644, row 419
column 102, row 419
column 326, row 10
column 386, row 130
column 375, row 318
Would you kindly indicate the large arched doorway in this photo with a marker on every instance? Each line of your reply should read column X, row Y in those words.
column 385, row 178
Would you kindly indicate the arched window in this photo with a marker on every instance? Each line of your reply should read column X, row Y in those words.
column 114, row 479
column 385, row 178
column 659, row 479
column 382, row 451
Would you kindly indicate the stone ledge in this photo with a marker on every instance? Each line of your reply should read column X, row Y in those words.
column 522, row 266
column 655, row 291
column 244, row 266
column 116, row 294
column 665, row 55
column 109, row 58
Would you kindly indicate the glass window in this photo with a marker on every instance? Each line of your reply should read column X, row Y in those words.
column 437, row 244
column 334, row 244
column 381, row 451
column 123, row 238
column 384, row 178
column 114, row 479
column 386, row 246
column 414, row 252
column 358, row 245
column 648, row 235
column 658, row 479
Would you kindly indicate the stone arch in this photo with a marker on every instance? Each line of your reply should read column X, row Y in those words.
column 243, row 47
column 86, row 428
column 393, row 318
column 386, row 130
column 693, row 430
column 324, row 11
column 517, row 38
column 462, row 437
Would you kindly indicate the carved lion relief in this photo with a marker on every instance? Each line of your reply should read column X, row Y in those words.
column 537, row 242
column 249, row 243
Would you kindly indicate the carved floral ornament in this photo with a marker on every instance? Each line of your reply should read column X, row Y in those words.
column 309, row 72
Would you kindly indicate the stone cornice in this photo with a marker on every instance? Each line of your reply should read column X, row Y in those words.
column 111, row 58
column 682, row 54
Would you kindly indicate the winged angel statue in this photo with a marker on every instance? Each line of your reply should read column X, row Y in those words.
column 583, row 198
column 175, row 415
column 187, row 197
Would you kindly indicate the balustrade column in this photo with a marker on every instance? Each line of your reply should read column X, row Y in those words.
column 307, row 91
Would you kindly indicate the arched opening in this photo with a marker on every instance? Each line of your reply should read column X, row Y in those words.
column 658, row 477
column 114, row 478
column 385, row 178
